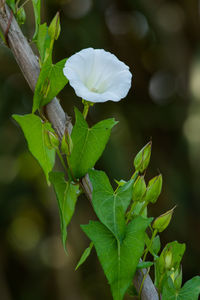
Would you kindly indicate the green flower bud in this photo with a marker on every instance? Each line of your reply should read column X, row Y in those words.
column 154, row 189
column 54, row 27
column 168, row 259
column 21, row 16
column 142, row 159
column 139, row 189
column 161, row 223
column 66, row 144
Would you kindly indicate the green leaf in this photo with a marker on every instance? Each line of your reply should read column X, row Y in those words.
column 36, row 7
column 11, row 3
column 144, row 264
column 190, row 290
column 34, row 130
column 50, row 82
column 119, row 260
column 88, row 143
column 110, row 206
column 43, row 42
column 67, row 194
column 85, row 255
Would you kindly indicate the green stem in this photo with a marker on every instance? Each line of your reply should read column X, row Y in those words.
column 24, row 3
column 143, row 280
column 150, row 244
column 159, row 286
column 129, row 214
column 17, row 3
column 61, row 159
column 143, row 208
column 86, row 108
column 135, row 175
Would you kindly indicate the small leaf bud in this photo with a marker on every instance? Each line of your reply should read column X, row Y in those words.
column 47, row 140
column 54, row 140
column 21, row 16
column 142, row 159
column 139, row 189
column 154, row 189
column 161, row 223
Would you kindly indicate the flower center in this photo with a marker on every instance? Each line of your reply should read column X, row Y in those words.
column 95, row 90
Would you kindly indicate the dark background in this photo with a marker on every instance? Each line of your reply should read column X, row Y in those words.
column 159, row 40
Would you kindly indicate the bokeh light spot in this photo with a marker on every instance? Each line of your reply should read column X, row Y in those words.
column 161, row 87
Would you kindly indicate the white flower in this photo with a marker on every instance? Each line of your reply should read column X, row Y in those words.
column 97, row 75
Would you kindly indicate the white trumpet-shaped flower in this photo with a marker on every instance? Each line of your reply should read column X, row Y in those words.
column 97, row 75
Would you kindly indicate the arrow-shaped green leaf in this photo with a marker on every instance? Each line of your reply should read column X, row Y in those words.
column 50, row 82
column 119, row 260
column 88, row 143
column 110, row 206
column 34, row 130
column 67, row 194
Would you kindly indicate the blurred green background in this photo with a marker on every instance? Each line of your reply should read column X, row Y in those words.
column 159, row 40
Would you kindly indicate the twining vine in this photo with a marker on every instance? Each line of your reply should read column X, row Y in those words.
column 120, row 235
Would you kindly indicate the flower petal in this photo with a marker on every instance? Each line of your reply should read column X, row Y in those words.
column 97, row 75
